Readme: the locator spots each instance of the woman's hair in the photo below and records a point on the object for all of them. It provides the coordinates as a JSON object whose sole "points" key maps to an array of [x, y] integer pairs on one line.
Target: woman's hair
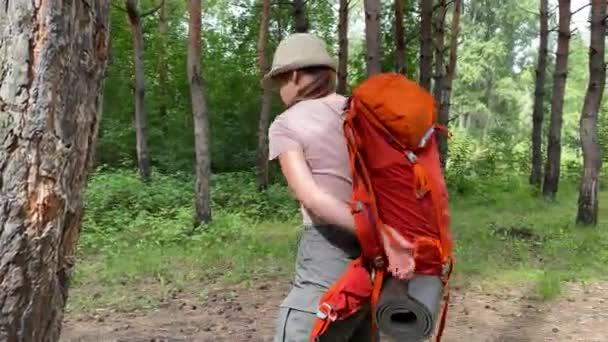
{"points": [[323, 83]]}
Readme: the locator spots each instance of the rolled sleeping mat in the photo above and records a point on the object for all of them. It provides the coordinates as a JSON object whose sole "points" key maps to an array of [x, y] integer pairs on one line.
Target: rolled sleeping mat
{"points": [[408, 310]]}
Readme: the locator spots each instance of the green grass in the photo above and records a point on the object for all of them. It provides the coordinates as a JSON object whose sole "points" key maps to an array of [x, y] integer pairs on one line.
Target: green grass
{"points": [[231, 250], [137, 246], [547, 247]]}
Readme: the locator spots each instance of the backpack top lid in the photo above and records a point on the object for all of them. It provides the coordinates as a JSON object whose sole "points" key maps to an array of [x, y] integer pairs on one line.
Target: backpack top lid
{"points": [[399, 106]]}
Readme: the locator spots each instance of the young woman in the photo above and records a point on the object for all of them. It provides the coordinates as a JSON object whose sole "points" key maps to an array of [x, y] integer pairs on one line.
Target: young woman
{"points": [[309, 142]]}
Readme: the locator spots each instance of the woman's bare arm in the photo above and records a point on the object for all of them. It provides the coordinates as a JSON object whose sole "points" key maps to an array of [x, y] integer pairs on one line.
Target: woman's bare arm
{"points": [[320, 203], [331, 210]]}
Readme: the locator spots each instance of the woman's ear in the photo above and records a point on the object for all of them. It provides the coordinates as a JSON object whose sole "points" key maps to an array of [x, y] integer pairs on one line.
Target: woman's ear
{"points": [[295, 76]]}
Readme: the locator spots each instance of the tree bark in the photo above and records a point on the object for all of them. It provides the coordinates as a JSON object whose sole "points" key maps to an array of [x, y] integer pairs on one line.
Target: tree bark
{"points": [[200, 115], [279, 26], [426, 43], [539, 97], [552, 168], [453, 59], [446, 103], [439, 84], [163, 29], [343, 47], [399, 37], [264, 120], [372, 36], [299, 14], [143, 159], [592, 161], [51, 85]]}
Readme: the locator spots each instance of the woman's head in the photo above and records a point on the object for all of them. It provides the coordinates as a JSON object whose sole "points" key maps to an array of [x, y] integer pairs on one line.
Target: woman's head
{"points": [[305, 84], [302, 69]]}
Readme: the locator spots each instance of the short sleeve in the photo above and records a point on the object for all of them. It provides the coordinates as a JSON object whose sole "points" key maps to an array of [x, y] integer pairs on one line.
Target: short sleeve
{"points": [[281, 138]]}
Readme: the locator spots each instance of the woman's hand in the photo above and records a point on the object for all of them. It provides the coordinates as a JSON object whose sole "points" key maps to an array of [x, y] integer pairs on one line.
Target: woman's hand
{"points": [[399, 252], [320, 203]]}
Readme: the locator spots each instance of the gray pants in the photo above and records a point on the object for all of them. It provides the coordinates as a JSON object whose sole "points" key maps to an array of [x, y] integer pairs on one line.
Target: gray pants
{"points": [[324, 252]]}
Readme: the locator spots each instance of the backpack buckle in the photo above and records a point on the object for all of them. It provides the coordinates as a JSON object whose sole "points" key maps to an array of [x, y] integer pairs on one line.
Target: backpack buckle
{"points": [[447, 268], [411, 156], [328, 313], [378, 262], [426, 137]]}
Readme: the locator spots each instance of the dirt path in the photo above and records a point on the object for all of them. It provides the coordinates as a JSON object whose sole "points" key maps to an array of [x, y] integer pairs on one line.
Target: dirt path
{"points": [[239, 314]]}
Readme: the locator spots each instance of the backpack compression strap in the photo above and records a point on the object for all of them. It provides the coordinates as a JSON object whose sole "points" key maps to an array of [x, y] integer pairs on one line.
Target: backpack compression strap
{"points": [[363, 279], [332, 306], [345, 297], [425, 183]]}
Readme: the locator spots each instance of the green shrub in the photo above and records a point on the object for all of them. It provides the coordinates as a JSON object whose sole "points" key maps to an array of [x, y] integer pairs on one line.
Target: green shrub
{"points": [[122, 211]]}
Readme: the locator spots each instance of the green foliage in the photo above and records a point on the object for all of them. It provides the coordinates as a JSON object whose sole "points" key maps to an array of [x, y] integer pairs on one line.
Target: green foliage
{"points": [[494, 86], [493, 89], [161, 212], [140, 236], [492, 65], [482, 169], [136, 234]]}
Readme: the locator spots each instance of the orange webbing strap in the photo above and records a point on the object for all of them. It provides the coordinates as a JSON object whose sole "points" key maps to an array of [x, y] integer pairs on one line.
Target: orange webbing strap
{"points": [[319, 328], [361, 174], [378, 282], [443, 228], [428, 183], [446, 302], [444, 315], [363, 191], [422, 180], [446, 245]]}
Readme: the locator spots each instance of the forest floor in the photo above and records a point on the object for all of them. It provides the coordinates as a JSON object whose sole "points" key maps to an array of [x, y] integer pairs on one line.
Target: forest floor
{"points": [[524, 270], [246, 314]]}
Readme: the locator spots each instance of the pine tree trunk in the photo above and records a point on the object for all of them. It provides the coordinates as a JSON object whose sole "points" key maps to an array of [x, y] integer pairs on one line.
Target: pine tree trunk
{"points": [[262, 153], [399, 37], [143, 159], [162, 68], [439, 84], [200, 115], [51, 85], [299, 14], [426, 43], [446, 103], [552, 168], [588, 199], [343, 47], [372, 36], [539, 97], [279, 26]]}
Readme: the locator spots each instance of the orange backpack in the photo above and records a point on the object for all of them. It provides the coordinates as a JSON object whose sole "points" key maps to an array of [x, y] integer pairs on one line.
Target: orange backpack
{"points": [[390, 128]]}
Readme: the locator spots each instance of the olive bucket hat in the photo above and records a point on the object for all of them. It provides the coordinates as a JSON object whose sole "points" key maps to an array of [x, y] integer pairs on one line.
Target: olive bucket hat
{"points": [[299, 50]]}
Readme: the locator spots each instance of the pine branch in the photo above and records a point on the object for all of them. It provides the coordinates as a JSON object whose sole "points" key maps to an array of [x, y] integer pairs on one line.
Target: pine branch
{"points": [[580, 9], [152, 11], [276, 3], [453, 118]]}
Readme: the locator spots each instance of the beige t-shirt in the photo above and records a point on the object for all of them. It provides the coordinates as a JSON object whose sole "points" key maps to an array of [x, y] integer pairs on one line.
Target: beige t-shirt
{"points": [[316, 127]]}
